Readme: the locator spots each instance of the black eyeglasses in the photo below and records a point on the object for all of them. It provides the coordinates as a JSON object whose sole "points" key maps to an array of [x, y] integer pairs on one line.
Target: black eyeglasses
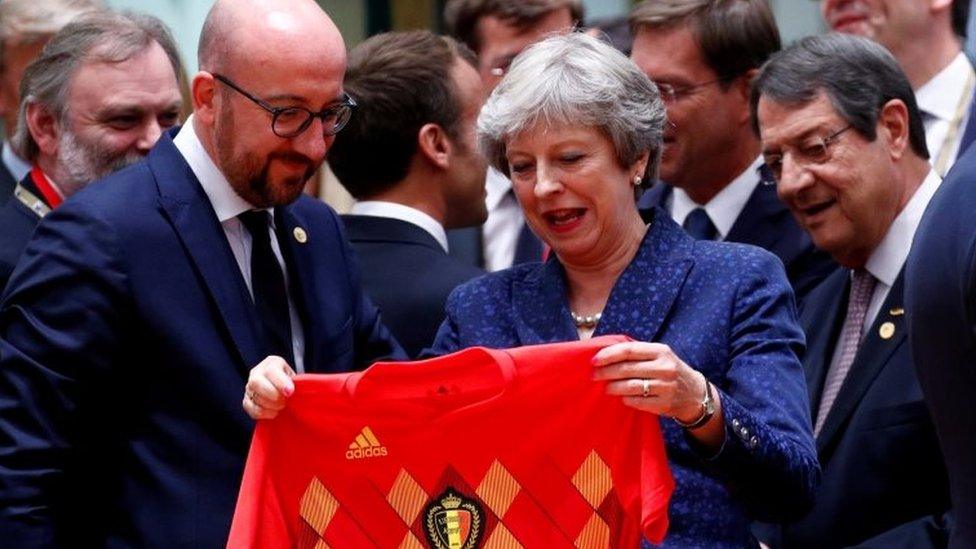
{"points": [[671, 93], [291, 121], [813, 153]]}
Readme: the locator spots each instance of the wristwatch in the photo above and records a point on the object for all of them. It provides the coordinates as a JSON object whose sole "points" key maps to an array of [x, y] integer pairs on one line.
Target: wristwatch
{"points": [[707, 410]]}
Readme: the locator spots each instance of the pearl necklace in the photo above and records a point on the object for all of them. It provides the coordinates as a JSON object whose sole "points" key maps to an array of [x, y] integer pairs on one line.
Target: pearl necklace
{"points": [[586, 321]]}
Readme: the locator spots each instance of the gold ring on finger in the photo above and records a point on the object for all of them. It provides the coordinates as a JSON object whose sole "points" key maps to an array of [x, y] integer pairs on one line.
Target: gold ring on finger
{"points": [[645, 388]]}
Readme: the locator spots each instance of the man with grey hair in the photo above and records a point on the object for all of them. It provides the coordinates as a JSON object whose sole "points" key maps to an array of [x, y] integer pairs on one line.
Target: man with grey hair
{"points": [[96, 99], [926, 37], [139, 305], [843, 136], [25, 26], [703, 55], [497, 31]]}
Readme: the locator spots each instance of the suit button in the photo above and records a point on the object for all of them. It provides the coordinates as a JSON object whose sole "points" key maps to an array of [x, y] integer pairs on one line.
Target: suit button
{"points": [[744, 433], [753, 442], [736, 424]]}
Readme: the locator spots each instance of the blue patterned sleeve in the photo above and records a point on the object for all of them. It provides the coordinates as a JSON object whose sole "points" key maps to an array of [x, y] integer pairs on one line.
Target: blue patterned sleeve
{"points": [[768, 458]]}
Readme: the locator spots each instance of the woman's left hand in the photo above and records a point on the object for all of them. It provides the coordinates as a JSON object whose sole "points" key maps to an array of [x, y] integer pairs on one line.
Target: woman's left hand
{"points": [[650, 377]]}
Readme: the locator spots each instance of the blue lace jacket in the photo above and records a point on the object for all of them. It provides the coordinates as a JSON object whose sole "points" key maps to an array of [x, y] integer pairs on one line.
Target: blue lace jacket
{"points": [[725, 309]]}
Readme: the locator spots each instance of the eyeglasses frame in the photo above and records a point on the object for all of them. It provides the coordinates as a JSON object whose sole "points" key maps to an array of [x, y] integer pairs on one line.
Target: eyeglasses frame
{"points": [[347, 102]]}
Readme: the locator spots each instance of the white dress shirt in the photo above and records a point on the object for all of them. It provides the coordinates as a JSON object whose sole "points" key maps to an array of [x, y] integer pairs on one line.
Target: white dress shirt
{"points": [[724, 208], [505, 221], [941, 99], [393, 210], [887, 260], [227, 204], [15, 164]]}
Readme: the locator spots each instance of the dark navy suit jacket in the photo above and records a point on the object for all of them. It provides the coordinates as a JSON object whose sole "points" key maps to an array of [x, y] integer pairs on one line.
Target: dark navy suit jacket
{"points": [[725, 309], [7, 183], [941, 305], [766, 222], [127, 337], [17, 224], [407, 274], [884, 483]]}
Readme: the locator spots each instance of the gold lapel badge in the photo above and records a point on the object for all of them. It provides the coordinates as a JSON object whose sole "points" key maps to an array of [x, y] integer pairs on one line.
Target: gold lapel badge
{"points": [[300, 235], [896, 311], [887, 330]]}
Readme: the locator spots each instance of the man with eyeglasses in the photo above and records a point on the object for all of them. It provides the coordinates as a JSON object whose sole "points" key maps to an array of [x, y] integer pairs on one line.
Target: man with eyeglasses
{"points": [[703, 55], [843, 136], [926, 37], [141, 303], [497, 31]]}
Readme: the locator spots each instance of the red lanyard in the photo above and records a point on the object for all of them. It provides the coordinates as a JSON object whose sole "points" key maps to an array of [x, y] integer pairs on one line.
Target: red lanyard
{"points": [[51, 196]]}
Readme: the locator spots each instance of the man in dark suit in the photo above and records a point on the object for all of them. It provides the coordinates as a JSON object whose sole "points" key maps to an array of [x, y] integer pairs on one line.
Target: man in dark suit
{"points": [[419, 96], [843, 136], [106, 118], [25, 26], [497, 31], [926, 38], [940, 304], [703, 57], [140, 304]]}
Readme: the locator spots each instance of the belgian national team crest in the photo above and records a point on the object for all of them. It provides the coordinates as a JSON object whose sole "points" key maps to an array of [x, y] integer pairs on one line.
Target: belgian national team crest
{"points": [[453, 521]]}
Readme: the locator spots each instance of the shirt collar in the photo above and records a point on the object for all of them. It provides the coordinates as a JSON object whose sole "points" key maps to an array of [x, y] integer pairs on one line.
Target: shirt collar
{"points": [[496, 188], [227, 204], [889, 257], [392, 210], [941, 95], [724, 208], [15, 164]]}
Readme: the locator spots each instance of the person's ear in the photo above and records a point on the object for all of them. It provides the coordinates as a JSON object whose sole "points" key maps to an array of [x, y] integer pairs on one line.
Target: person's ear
{"points": [[434, 145], [44, 128], [203, 93], [893, 127], [742, 87]]}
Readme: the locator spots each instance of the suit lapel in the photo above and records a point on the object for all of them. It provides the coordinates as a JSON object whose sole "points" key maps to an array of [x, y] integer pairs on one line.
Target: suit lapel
{"points": [[188, 209], [822, 320], [543, 289], [651, 283], [873, 354], [293, 238], [760, 218]]}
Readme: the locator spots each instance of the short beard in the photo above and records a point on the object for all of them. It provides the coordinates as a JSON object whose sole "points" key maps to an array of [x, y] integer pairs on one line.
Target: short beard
{"points": [[80, 162], [248, 174]]}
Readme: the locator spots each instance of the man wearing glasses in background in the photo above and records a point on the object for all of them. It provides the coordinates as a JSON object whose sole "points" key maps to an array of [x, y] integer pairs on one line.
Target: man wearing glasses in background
{"points": [[703, 54], [843, 137], [497, 31], [143, 301]]}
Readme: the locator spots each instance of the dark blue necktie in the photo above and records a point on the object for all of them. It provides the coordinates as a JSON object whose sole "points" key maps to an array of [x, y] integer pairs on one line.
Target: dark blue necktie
{"points": [[699, 226], [268, 286]]}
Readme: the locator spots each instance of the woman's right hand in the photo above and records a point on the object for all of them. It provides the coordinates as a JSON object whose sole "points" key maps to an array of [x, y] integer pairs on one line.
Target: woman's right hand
{"points": [[268, 388]]}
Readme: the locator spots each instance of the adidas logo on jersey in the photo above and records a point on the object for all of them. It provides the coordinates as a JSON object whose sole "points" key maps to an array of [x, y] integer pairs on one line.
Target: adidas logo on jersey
{"points": [[365, 445]]}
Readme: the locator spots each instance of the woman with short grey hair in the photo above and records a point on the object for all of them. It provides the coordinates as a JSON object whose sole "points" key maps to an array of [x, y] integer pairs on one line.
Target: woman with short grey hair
{"points": [[578, 127]]}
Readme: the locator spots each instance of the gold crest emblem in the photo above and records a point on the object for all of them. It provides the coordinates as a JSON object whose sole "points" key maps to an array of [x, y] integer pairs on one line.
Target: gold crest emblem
{"points": [[887, 330], [300, 235], [453, 521]]}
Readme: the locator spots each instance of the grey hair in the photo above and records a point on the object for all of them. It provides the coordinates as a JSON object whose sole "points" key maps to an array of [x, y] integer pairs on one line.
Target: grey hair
{"points": [[101, 36], [575, 79], [30, 20], [857, 75]]}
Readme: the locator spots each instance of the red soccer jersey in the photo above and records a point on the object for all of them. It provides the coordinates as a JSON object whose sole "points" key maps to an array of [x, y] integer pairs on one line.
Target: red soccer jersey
{"points": [[481, 448]]}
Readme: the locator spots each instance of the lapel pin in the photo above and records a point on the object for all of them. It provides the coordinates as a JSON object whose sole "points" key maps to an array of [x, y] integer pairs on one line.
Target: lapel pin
{"points": [[887, 330], [896, 311], [300, 235]]}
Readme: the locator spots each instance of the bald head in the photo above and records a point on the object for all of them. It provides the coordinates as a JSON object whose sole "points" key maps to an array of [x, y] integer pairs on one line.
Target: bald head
{"points": [[253, 32]]}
